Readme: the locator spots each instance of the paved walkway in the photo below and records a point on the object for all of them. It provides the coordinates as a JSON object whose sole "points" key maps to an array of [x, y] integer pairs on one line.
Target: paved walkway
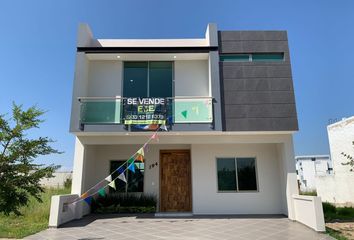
{"points": [[140, 227]]}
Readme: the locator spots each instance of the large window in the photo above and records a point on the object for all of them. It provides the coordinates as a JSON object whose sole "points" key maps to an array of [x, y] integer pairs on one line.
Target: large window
{"points": [[135, 181], [148, 79], [236, 174]]}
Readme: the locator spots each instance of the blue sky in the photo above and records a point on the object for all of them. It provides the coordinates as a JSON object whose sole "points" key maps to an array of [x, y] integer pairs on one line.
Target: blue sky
{"points": [[37, 46]]}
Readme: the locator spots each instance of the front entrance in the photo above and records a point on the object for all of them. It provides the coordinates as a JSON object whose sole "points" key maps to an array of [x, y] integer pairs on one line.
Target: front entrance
{"points": [[175, 181]]}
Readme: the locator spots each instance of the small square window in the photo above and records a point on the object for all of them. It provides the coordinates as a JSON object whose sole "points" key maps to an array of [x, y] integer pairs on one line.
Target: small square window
{"points": [[237, 174]]}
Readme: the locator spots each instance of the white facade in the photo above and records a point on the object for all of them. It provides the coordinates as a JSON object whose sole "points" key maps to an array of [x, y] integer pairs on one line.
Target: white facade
{"points": [[275, 173], [100, 75], [308, 167], [338, 188]]}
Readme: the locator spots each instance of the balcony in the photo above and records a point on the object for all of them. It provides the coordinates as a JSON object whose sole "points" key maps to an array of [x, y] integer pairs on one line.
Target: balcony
{"points": [[145, 111]]}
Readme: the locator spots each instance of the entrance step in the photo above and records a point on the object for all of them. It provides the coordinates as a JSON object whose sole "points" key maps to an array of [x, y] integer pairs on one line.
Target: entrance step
{"points": [[174, 214]]}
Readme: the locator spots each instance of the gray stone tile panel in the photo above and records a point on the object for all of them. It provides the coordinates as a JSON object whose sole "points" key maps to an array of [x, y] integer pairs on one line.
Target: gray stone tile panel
{"points": [[252, 35], [258, 97], [258, 84], [261, 124], [261, 111], [253, 46], [255, 71]]}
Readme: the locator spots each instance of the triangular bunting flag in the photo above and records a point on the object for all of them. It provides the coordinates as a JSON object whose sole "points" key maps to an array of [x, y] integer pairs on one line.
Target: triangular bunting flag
{"points": [[122, 177], [140, 158], [184, 114], [131, 160], [131, 167], [141, 151], [88, 200], [112, 185], [102, 192], [120, 169], [163, 127], [84, 195], [109, 178]]}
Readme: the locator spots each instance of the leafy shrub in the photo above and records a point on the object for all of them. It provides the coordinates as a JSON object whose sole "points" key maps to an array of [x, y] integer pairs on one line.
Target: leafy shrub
{"points": [[124, 203], [68, 182], [337, 213], [346, 212], [328, 208]]}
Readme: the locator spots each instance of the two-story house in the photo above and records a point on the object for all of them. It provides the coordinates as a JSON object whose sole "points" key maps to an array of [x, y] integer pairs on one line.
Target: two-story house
{"points": [[227, 100]]}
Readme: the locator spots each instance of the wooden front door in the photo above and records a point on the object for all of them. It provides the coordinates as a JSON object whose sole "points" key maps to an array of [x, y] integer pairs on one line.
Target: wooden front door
{"points": [[175, 181]]}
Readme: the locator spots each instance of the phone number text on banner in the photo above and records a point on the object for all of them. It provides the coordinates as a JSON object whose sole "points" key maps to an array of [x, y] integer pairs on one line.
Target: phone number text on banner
{"points": [[144, 111]]}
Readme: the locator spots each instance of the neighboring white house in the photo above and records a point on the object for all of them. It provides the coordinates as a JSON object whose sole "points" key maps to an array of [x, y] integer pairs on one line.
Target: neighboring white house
{"points": [[338, 188], [310, 166], [57, 180]]}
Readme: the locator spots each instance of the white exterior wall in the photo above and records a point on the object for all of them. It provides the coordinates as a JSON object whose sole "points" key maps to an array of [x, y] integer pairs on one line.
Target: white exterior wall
{"points": [[275, 168], [79, 89], [207, 199], [191, 78], [57, 180], [309, 211], [269, 199], [97, 163], [308, 167], [341, 138], [309, 172], [105, 79], [338, 188]]}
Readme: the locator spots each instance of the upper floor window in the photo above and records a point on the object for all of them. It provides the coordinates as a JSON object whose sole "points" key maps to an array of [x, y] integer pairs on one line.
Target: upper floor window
{"points": [[252, 57], [148, 79]]}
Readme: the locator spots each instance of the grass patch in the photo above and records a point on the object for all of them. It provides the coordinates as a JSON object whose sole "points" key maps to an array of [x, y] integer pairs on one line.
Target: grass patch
{"points": [[34, 219], [335, 234], [309, 193]]}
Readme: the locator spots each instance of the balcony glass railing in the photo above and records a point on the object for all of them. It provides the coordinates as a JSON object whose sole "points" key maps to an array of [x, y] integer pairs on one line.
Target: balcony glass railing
{"points": [[192, 109], [128, 111], [100, 110]]}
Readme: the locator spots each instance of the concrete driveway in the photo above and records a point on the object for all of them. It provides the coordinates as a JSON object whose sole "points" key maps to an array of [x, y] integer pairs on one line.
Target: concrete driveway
{"points": [[96, 227]]}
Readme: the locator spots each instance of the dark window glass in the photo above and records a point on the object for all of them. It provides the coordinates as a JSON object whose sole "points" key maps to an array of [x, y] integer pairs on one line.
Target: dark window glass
{"points": [[226, 174], [135, 181], [267, 57], [160, 79], [246, 174], [135, 79], [235, 58]]}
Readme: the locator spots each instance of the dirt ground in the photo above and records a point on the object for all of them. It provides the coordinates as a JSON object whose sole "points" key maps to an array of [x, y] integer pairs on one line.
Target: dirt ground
{"points": [[346, 228]]}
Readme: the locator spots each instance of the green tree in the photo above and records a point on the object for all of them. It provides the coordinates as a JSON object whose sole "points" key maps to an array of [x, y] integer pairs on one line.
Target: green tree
{"points": [[350, 160], [19, 176]]}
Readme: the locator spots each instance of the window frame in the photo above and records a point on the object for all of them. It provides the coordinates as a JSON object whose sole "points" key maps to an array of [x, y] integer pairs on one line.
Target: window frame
{"points": [[126, 176], [237, 188], [250, 57], [148, 77]]}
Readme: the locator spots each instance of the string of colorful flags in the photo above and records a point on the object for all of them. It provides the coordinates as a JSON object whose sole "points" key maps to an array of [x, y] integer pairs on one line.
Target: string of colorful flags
{"points": [[109, 181]]}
